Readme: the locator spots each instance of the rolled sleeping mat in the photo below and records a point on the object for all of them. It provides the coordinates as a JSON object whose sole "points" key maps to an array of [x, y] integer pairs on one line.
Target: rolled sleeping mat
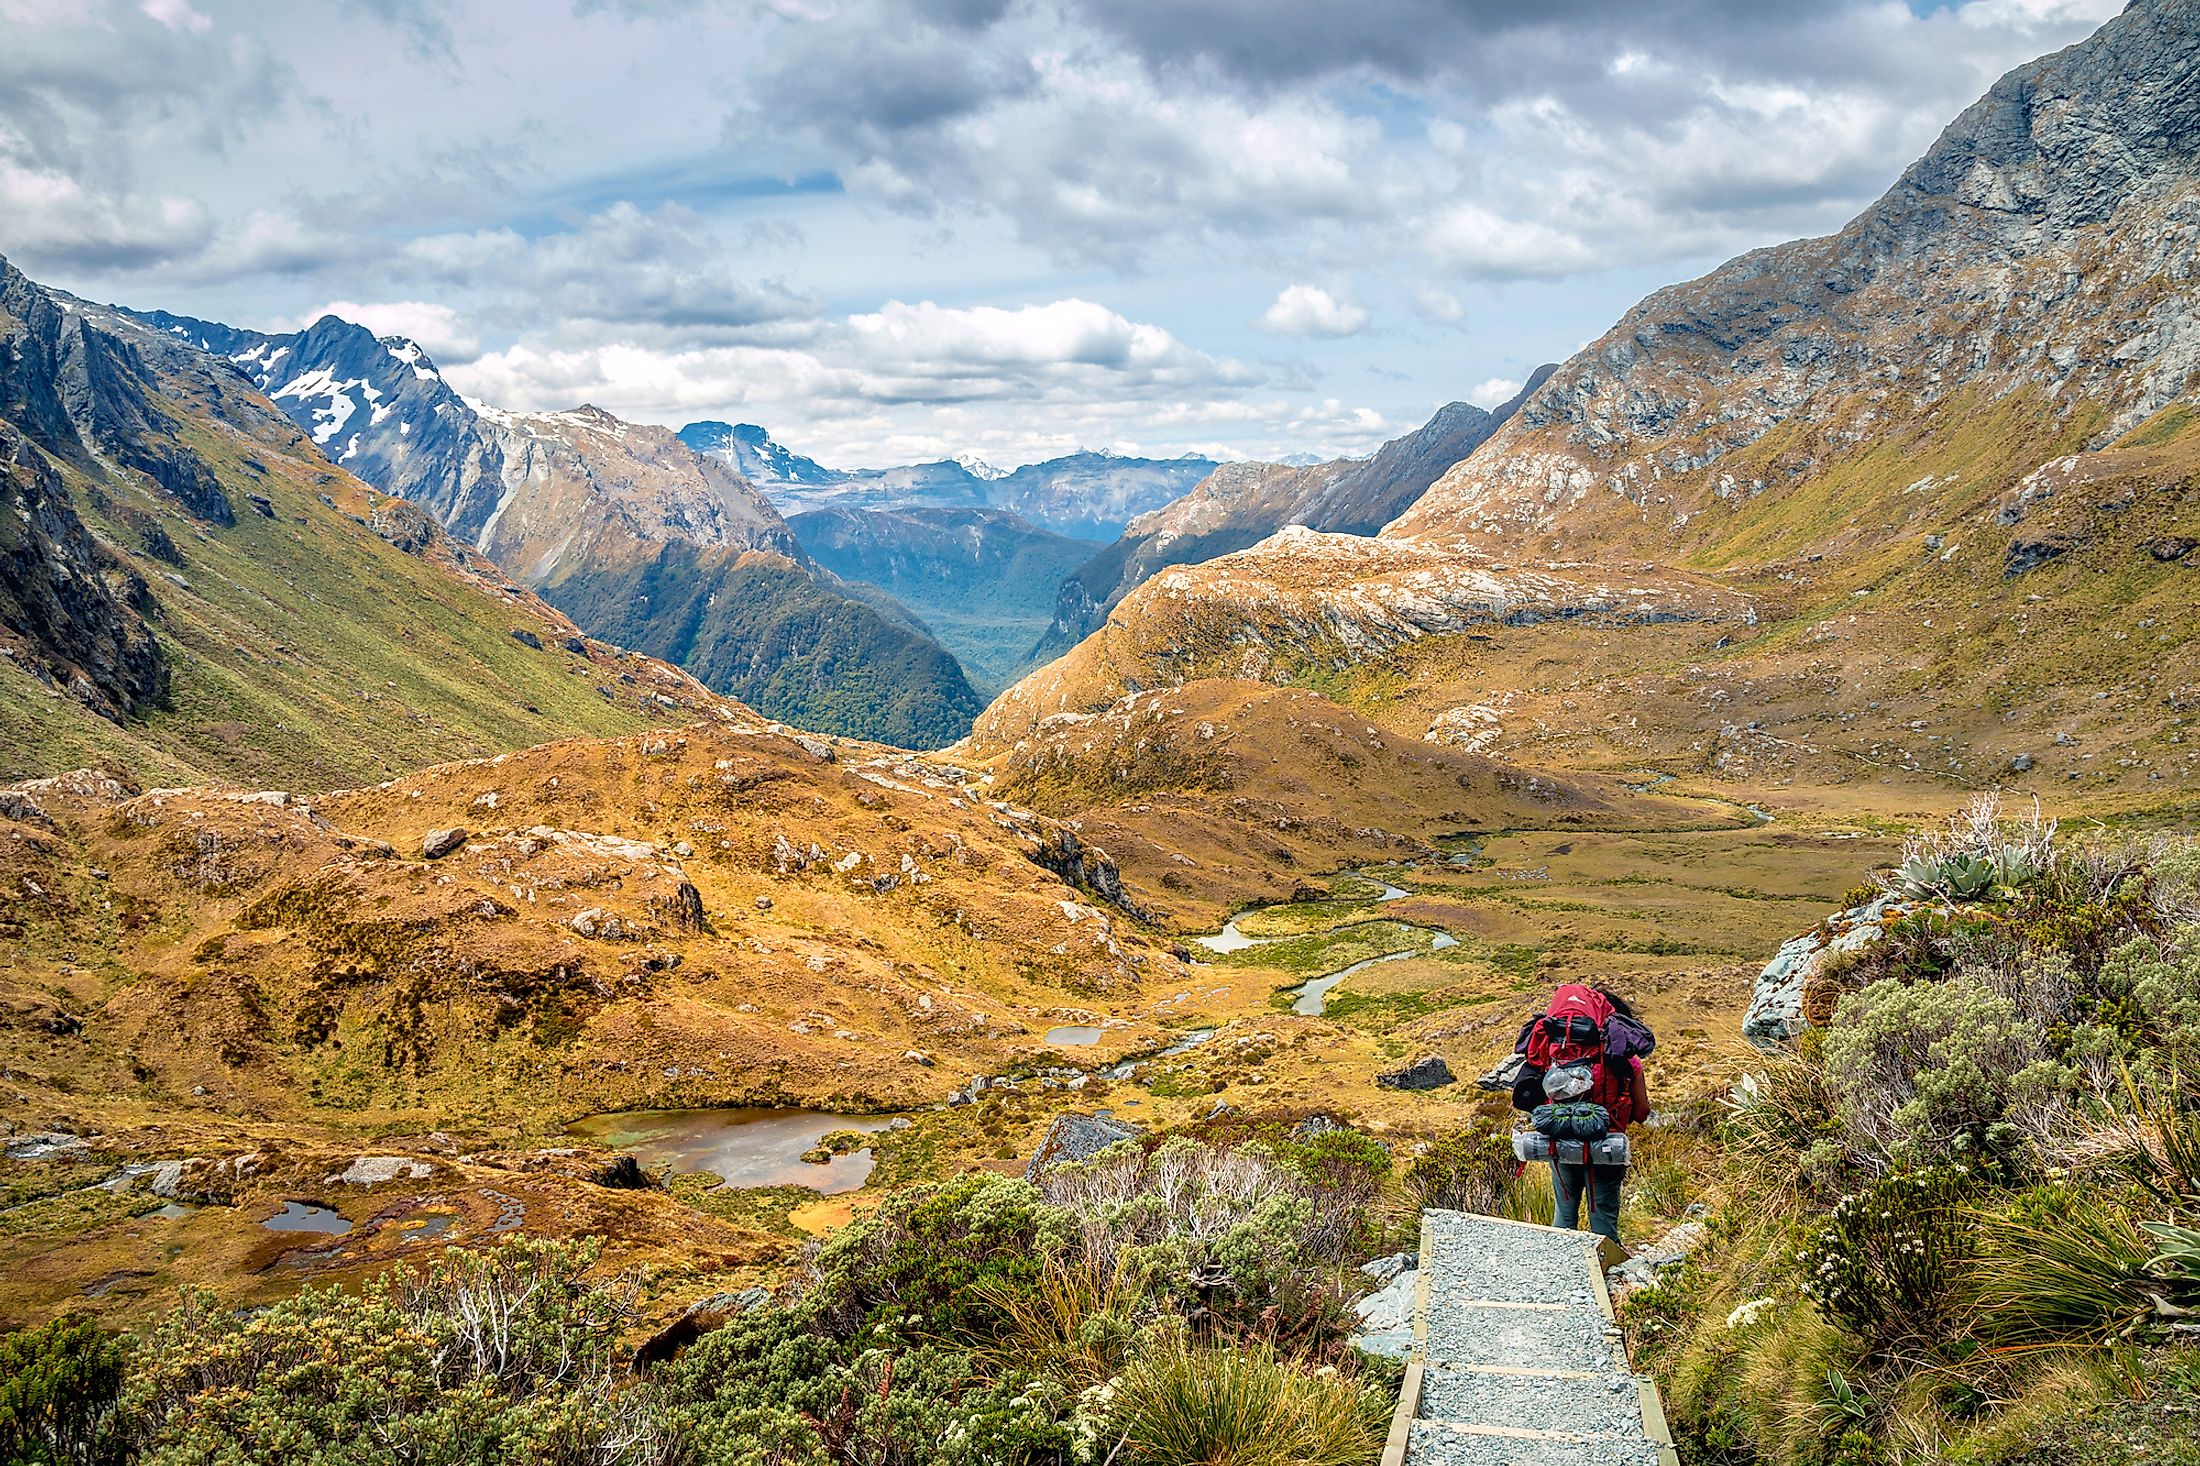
{"points": [[1528, 1145]]}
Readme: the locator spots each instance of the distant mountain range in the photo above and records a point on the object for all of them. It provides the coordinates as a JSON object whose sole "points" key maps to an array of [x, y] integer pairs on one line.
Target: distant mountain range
{"points": [[645, 541], [1241, 504], [868, 602], [983, 580], [1088, 495]]}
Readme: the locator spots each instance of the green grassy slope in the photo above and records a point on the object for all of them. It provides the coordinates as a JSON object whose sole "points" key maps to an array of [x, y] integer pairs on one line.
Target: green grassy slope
{"points": [[757, 627], [310, 652]]}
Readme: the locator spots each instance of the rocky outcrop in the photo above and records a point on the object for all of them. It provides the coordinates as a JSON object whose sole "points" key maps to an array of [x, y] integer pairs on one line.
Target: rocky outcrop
{"points": [[1058, 849], [1072, 1138], [1386, 1315], [438, 843], [1428, 1072], [1786, 992], [76, 614]]}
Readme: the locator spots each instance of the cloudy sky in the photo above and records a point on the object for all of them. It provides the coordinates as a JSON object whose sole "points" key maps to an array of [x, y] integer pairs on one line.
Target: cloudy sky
{"points": [[893, 229]]}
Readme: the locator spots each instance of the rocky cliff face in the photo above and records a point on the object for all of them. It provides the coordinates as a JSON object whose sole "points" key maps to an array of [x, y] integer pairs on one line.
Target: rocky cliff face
{"points": [[2045, 247], [81, 394], [582, 489], [1241, 504], [71, 613], [377, 405], [580, 504]]}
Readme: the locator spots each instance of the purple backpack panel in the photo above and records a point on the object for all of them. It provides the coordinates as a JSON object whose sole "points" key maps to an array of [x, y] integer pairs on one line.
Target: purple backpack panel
{"points": [[1628, 1038]]}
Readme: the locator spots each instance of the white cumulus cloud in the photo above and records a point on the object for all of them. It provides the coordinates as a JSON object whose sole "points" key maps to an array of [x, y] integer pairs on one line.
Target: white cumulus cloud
{"points": [[1309, 310], [1494, 391], [1011, 383], [177, 15]]}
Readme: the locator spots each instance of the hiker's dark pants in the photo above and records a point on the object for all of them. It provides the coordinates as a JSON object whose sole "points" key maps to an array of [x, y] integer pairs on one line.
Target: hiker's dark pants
{"points": [[1603, 1200]]}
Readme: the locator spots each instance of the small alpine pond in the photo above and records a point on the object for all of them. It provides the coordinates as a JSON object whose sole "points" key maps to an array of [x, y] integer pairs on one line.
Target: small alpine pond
{"points": [[746, 1147]]}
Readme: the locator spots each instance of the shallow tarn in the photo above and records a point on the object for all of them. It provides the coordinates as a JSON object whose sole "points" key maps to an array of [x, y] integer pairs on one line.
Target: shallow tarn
{"points": [[299, 1216], [744, 1147]]}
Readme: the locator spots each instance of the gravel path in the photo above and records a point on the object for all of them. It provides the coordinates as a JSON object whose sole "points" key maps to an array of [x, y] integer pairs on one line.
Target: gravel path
{"points": [[1522, 1366]]}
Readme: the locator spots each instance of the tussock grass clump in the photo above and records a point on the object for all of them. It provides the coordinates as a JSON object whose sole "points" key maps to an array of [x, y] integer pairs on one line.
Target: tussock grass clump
{"points": [[1072, 1322], [1187, 1406], [2062, 1263]]}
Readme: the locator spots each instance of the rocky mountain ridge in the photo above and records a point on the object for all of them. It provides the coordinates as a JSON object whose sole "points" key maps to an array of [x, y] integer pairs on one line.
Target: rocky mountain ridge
{"points": [[1240, 504], [2043, 246], [572, 502], [1952, 446]]}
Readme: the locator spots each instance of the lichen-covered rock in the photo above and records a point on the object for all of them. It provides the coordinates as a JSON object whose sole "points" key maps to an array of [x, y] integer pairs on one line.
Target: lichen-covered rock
{"points": [[1776, 1009], [438, 843], [1073, 1138], [374, 1170]]}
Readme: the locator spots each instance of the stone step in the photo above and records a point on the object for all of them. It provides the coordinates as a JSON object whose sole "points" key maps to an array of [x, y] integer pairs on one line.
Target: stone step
{"points": [[1517, 1359], [1434, 1443], [1602, 1404], [1461, 1333]]}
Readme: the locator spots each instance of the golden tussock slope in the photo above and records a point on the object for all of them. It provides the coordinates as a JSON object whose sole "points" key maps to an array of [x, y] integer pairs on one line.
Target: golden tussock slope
{"points": [[1222, 792], [712, 916]]}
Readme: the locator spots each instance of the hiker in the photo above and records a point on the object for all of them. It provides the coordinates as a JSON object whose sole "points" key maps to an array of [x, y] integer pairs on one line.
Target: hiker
{"points": [[1580, 1079]]}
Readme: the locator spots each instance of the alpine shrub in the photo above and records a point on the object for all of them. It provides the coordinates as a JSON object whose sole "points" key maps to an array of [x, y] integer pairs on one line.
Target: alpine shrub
{"points": [[1888, 1265], [916, 1264], [57, 1395], [1928, 1073], [2152, 998], [1469, 1171], [500, 1357]]}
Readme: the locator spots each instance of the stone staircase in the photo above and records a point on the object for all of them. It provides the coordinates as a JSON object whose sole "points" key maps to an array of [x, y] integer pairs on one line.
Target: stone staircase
{"points": [[1516, 1358]]}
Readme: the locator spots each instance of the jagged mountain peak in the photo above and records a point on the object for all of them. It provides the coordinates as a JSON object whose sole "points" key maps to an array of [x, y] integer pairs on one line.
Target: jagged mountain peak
{"points": [[977, 467], [2068, 138], [2041, 245]]}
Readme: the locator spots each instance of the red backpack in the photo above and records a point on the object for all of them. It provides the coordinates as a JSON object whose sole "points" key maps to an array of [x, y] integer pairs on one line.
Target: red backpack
{"points": [[1581, 1027]]}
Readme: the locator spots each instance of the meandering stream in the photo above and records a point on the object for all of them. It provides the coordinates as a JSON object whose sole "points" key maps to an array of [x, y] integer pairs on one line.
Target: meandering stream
{"points": [[1310, 999]]}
